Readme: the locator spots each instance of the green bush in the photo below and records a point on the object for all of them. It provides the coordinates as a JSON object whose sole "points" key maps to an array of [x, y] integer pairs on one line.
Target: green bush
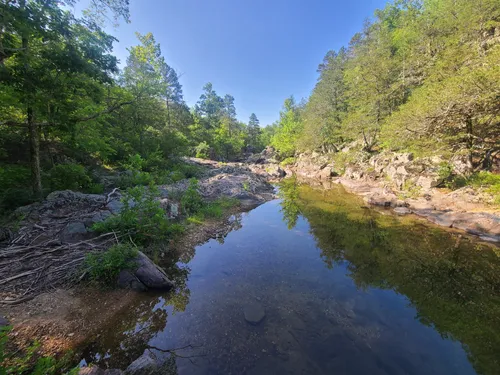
{"points": [[104, 267], [287, 161], [141, 217], [177, 175], [95, 188], [69, 177], [191, 201], [202, 150], [135, 178], [154, 162], [15, 187]]}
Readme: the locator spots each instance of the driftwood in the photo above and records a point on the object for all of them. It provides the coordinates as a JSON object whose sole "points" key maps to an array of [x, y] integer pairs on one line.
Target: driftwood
{"points": [[30, 269]]}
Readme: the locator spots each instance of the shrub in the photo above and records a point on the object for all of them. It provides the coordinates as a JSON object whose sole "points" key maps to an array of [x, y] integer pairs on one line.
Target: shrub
{"points": [[154, 162], [177, 175], [134, 163], [15, 190], [202, 150], [69, 177], [135, 178], [287, 161], [95, 188], [141, 216], [191, 201], [104, 267]]}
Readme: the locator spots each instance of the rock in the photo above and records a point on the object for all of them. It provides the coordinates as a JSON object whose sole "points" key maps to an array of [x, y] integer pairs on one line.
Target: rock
{"points": [[402, 210], [171, 207], [113, 372], [461, 165], [94, 370], [254, 312], [4, 322], [404, 157], [115, 206], [144, 365], [428, 182], [100, 216], [127, 280], [150, 274], [74, 232]]}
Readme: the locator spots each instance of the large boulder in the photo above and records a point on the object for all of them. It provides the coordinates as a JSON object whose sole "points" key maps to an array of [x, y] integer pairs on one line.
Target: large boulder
{"points": [[149, 274]]}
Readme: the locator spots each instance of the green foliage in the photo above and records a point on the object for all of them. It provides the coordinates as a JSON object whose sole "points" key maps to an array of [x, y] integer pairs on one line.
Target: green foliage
{"points": [[202, 150], [213, 210], [192, 201], [141, 217], [489, 181], [69, 177], [410, 190], [288, 161], [13, 182], [422, 77], [104, 267], [288, 130]]}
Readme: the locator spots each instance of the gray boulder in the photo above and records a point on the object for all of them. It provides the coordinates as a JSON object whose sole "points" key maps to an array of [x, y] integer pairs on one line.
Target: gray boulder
{"points": [[75, 232], [149, 274]]}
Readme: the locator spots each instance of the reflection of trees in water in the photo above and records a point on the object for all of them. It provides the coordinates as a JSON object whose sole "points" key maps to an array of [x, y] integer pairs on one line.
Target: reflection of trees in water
{"points": [[453, 282], [288, 192], [128, 336], [130, 333]]}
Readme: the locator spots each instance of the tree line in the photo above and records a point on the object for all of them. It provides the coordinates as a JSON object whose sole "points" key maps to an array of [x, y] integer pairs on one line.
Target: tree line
{"points": [[63, 96], [423, 76]]}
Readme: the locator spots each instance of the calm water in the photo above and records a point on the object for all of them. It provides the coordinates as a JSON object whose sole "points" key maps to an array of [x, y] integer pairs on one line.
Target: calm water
{"points": [[345, 290]]}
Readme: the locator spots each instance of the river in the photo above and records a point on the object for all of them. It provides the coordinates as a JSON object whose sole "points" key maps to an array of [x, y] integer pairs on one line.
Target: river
{"points": [[317, 283]]}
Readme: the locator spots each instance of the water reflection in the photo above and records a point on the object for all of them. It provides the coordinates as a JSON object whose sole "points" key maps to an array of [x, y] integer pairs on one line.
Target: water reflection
{"points": [[345, 289], [453, 282]]}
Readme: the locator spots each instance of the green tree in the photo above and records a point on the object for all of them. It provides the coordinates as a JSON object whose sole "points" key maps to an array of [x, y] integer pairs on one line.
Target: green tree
{"points": [[53, 67], [327, 107], [254, 132], [288, 129]]}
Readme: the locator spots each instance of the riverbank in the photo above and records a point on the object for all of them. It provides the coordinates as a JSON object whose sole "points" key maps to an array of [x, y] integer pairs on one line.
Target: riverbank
{"points": [[45, 294], [400, 182]]}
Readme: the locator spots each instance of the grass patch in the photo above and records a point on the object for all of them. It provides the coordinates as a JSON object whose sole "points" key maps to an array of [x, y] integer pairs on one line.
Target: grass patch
{"points": [[213, 210], [104, 267], [30, 361]]}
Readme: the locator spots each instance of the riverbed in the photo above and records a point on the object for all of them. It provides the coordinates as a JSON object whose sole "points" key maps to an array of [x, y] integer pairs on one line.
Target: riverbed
{"points": [[317, 283]]}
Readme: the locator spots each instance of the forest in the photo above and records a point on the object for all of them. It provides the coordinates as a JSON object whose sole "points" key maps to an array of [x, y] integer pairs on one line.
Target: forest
{"points": [[422, 76], [66, 109]]}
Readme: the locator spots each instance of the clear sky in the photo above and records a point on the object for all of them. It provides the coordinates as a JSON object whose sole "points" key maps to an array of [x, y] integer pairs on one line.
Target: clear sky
{"points": [[259, 51]]}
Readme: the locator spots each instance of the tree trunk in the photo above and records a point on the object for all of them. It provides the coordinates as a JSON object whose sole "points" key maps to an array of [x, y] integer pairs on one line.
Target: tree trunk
{"points": [[34, 142], [470, 143], [168, 115], [34, 139]]}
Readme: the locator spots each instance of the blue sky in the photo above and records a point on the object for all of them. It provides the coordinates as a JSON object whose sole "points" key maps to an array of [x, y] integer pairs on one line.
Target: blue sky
{"points": [[259, 51]]}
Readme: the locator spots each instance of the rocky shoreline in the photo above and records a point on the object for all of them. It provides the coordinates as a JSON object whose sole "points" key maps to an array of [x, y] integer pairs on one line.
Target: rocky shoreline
{"points": [[384, 180]]}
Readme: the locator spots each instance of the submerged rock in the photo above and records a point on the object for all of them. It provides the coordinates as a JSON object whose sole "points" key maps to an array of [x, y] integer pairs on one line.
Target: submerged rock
{"points": [[254, 313], [144, 365]]}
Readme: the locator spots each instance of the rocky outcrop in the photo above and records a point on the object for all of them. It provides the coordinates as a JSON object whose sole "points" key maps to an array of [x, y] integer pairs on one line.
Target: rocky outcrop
{"points": [[408, 185], [230, 180]]}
